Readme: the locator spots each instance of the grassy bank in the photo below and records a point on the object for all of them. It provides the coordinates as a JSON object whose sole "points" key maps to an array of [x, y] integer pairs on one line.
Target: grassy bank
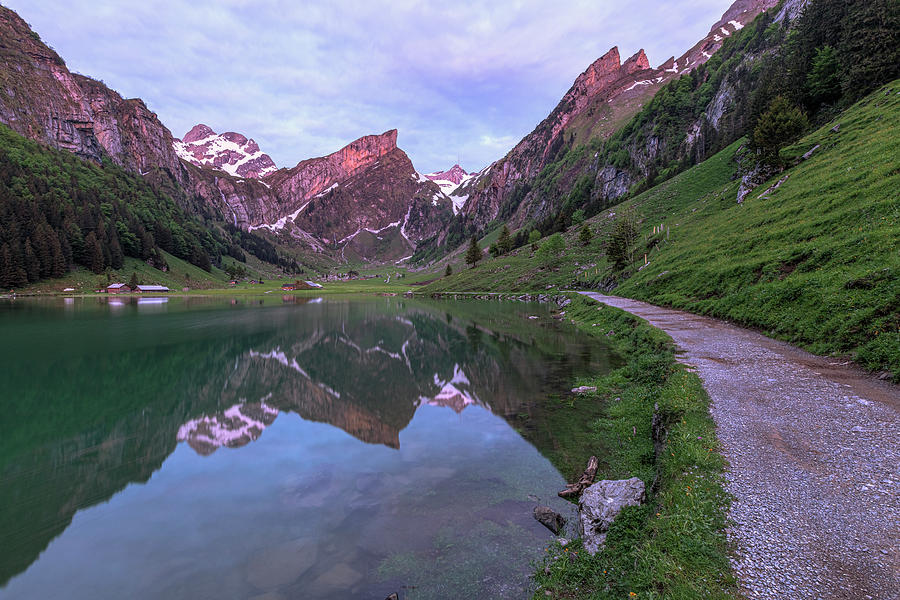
{"points": [[674, 545]]}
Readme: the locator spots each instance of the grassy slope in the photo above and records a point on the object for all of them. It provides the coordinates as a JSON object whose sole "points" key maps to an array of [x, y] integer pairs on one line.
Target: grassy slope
{"points": [[673, 546], [817, 264]]}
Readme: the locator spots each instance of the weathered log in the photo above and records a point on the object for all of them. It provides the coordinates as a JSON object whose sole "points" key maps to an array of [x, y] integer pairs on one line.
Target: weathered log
{"points": [[587, 478]]}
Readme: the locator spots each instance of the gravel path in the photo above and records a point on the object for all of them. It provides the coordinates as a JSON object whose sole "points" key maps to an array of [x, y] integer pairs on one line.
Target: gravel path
{"points": [[814, 450]]}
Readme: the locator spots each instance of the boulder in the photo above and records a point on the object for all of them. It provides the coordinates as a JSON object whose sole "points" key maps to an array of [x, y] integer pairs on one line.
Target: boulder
{"points": [[280, 565], [549, 518], [601, 503]]}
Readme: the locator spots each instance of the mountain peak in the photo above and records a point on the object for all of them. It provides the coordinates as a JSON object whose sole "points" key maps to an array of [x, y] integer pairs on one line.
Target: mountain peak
{"points": [[600, 70], [638, 62], [197, 133], [455, 174], [231, 152], [375, 144]]}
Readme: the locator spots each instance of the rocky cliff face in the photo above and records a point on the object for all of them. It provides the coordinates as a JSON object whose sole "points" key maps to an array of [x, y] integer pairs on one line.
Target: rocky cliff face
{"points": [[601, 100], [41, 99], [240, 202], [315, 175], [366, 197], [230, 152]]}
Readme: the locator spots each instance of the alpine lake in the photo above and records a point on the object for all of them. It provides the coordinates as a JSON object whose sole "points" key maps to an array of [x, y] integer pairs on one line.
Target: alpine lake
{"points": [[278, 447]]}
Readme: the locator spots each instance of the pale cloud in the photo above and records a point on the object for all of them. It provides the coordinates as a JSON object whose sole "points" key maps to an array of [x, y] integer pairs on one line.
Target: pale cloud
{"points": [[304, 78], [498, 143]]}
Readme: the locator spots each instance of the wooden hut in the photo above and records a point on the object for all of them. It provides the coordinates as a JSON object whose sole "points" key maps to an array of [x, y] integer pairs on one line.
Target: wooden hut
{"points": [[118, 288]]}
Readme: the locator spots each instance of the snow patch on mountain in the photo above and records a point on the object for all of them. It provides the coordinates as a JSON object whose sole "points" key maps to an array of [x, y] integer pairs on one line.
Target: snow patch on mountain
{"points": [[230, 152], [280, 223]]}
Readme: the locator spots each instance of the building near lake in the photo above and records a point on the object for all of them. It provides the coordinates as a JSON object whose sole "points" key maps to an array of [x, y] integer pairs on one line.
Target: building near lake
{"points": [[143, 289], [118, 288]]}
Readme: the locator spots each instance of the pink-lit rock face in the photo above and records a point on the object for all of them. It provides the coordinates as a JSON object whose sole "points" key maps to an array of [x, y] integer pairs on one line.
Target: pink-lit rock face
{"points": [[315, 175], [230, 152], [360, 197], [455, 174], [46, 102]]}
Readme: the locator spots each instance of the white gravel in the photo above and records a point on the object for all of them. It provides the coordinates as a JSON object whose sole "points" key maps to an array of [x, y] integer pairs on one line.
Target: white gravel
{"points": [[814, 451]]}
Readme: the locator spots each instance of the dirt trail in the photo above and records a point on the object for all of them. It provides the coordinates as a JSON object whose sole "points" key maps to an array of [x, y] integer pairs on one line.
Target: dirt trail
{"points": [[814, 450]]}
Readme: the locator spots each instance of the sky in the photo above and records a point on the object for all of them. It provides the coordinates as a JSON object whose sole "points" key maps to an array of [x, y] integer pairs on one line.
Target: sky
{"points": [[457, 79]]}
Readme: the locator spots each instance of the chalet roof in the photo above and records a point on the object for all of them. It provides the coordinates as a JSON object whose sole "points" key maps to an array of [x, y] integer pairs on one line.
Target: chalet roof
{"points": [[117, 285], [153, 288]]}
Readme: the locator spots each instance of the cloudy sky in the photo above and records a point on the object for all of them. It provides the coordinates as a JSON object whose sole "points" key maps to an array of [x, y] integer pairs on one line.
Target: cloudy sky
{"points": [[303, 79]]}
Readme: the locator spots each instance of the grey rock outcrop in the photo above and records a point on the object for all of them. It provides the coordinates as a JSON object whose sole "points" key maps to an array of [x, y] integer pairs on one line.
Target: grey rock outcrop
{"points": [[601, 503]]}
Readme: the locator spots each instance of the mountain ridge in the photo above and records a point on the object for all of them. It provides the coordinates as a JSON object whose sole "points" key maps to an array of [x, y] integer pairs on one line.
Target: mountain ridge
{"points": [[601, 99]]}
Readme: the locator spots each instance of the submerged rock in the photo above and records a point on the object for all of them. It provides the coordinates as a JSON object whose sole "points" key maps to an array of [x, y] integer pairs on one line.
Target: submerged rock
{"points": [[549, 518], [280, 565], [601, 503]]}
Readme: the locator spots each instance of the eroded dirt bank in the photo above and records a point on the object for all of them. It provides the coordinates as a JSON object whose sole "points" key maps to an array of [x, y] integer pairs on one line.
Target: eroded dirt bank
{"points": [[814, 450]]}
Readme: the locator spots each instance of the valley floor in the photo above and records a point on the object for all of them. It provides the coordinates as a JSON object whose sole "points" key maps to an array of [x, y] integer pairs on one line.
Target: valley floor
{"points": [[813, 446]]}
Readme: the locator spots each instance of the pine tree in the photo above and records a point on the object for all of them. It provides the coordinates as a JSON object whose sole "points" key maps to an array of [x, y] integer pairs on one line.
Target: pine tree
{"points": [[473, 254], [42, 249], [533, 238], [823, 82], [116, 257], [494, 250], [781, 124], [7, 271], [448, 271], [95, 259], [505, 241], [58, 266], [585, 236], [133, 282], [620, 248], [32, 264]]}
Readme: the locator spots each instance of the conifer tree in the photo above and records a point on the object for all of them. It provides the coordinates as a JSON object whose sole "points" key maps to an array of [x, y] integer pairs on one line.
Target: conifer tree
{"points": [[473, 254], [32, 264], [58, 265], [781, 124], [533, 238], [448, 271], [585, 236], [7, 271], [95, 259], [505, 241]]}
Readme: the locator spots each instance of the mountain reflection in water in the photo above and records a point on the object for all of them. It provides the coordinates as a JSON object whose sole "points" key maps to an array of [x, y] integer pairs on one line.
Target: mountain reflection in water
{"points": [[100, 394]]}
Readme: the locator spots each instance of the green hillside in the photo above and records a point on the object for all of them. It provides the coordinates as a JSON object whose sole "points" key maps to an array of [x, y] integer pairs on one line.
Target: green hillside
{"points": [[60, 214], [816, 262]]}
